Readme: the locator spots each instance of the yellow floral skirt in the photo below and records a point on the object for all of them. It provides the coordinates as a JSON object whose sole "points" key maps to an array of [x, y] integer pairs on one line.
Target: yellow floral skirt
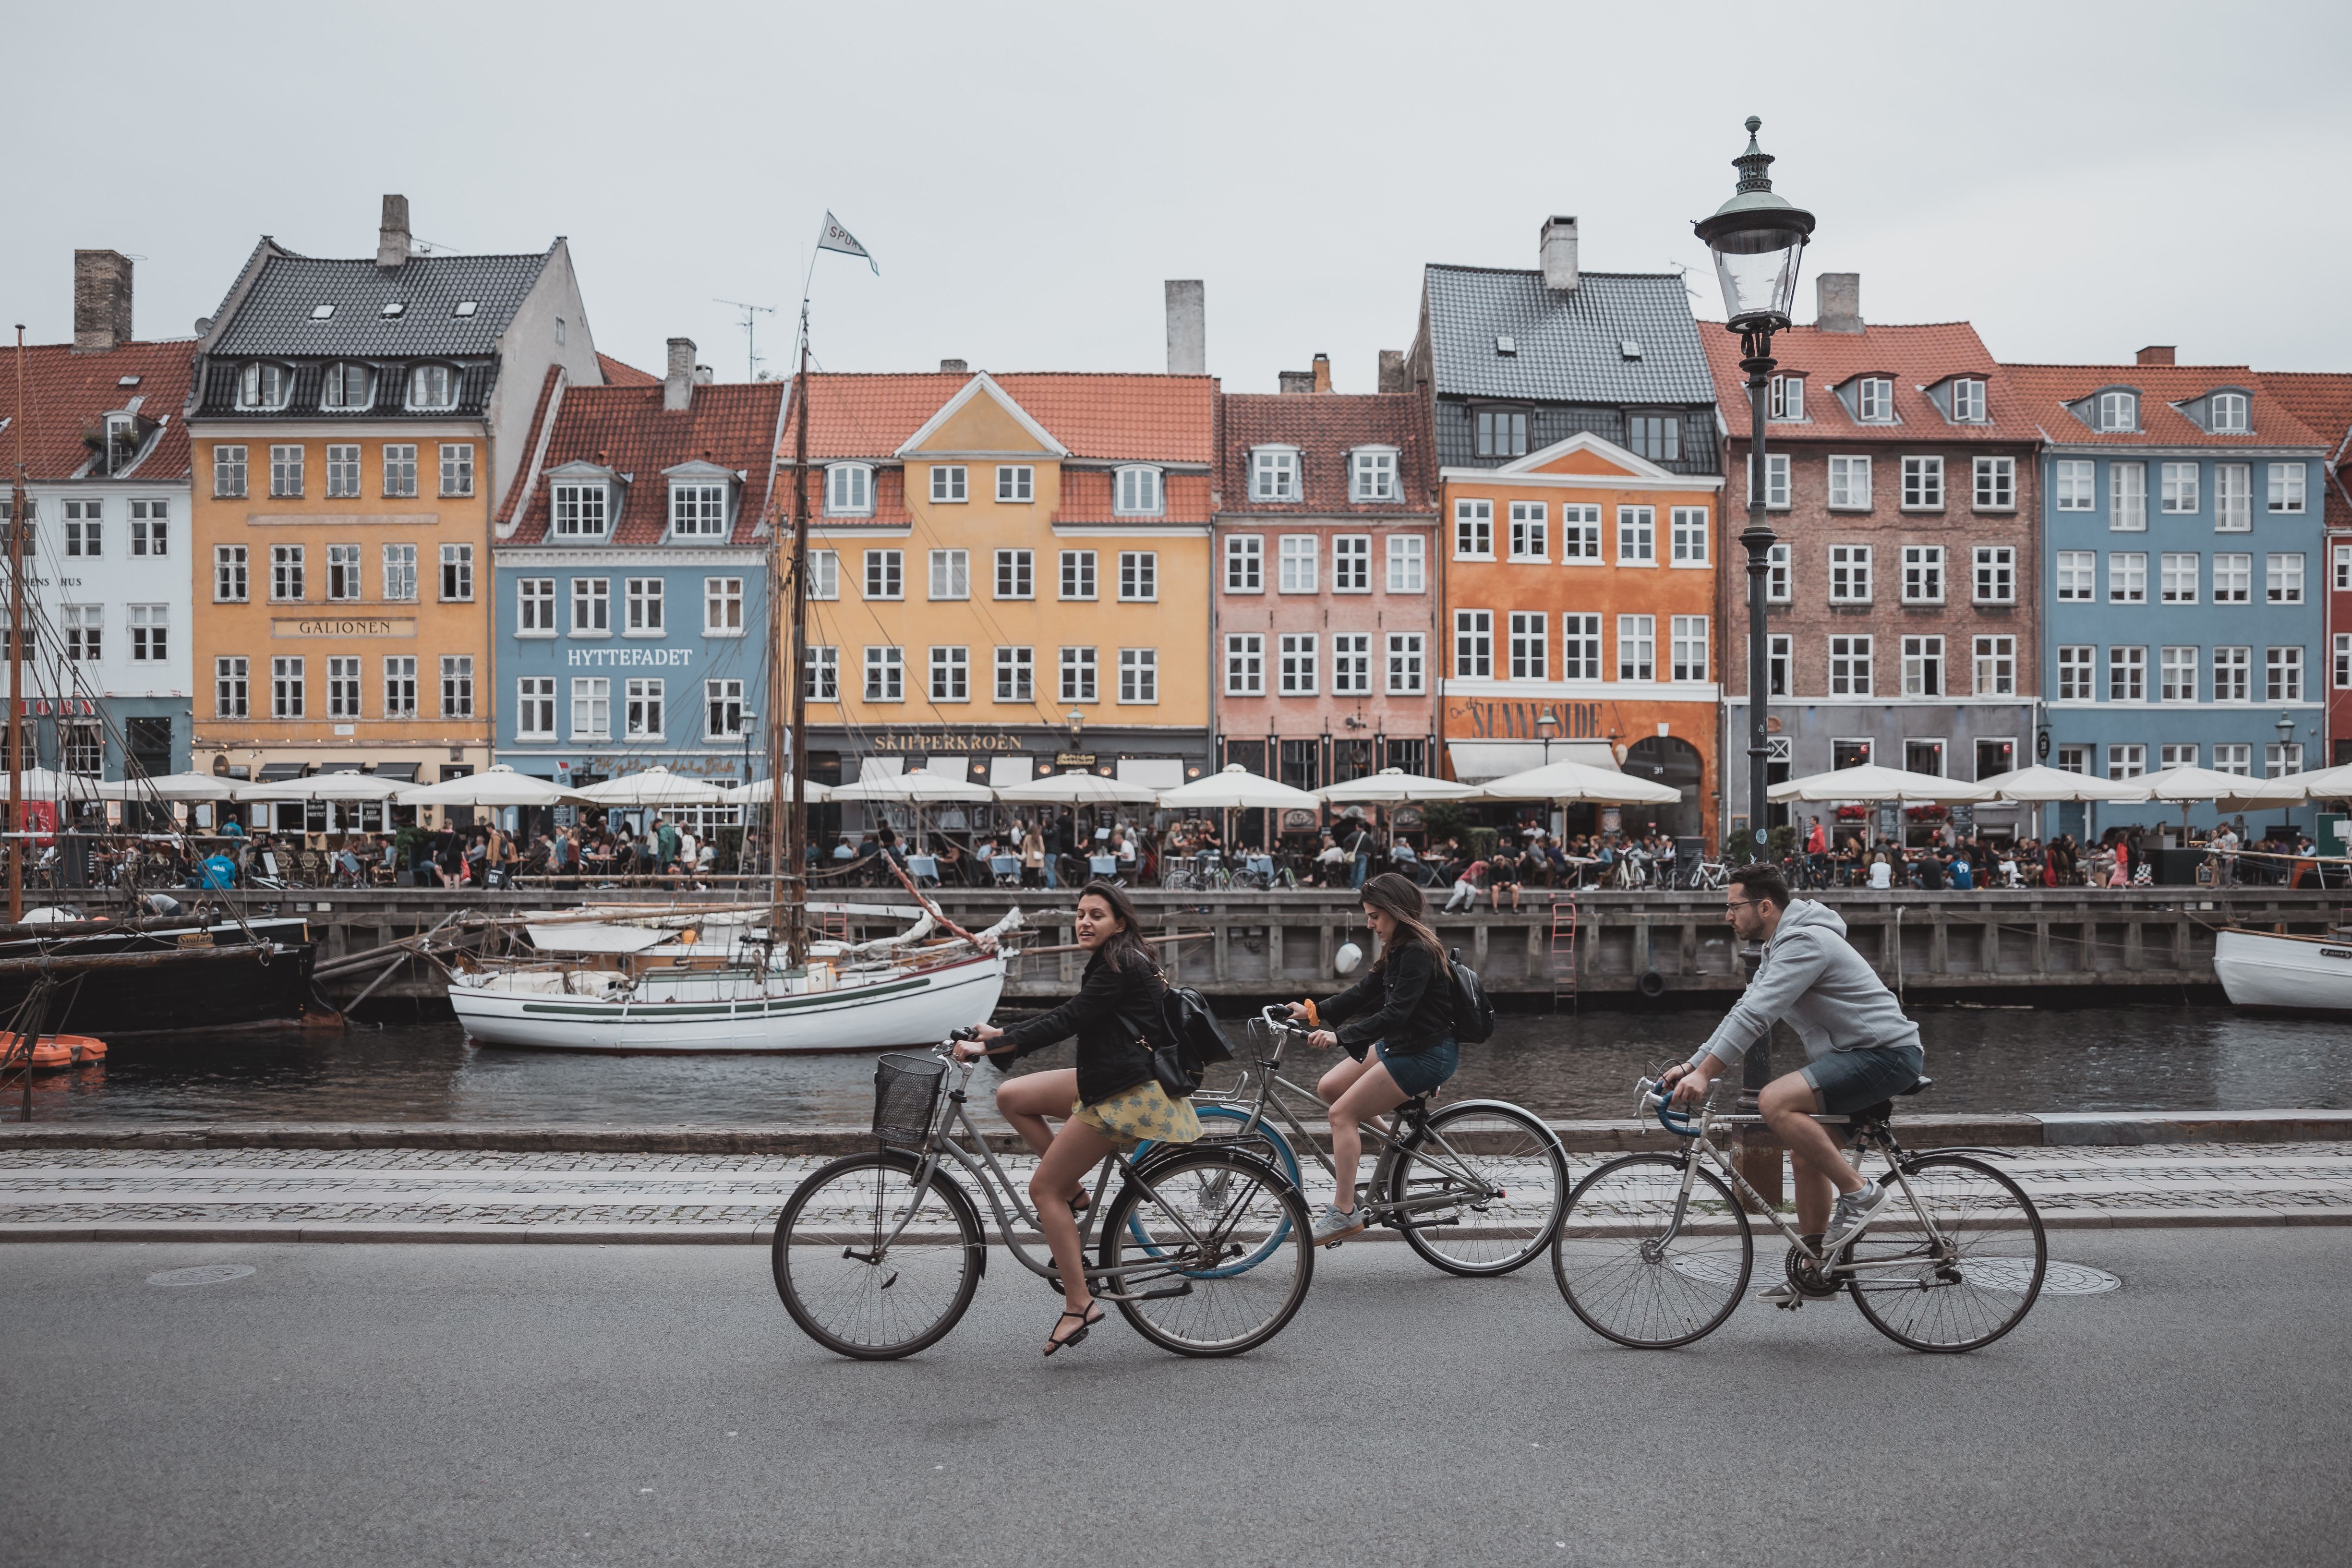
{"points": [[1144, 1114]]}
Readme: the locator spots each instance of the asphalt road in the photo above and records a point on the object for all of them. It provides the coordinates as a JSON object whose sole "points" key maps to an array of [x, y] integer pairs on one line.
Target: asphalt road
{"points": [[360, 1404]]}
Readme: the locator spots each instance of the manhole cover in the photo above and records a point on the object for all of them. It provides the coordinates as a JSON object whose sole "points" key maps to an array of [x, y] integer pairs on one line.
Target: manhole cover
{"points": [[202, 1274]]}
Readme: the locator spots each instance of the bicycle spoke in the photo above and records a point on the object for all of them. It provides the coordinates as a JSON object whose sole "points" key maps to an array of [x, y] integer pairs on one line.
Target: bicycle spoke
{"points": [[1244, 1268], [1498, 1181], [850, 1292], [1959, 1277], [1622, 1274]]}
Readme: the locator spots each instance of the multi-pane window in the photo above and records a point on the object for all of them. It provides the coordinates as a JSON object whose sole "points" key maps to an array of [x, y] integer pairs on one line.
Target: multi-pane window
{"points": [[457, 686], [2233, 497], [642, 704], [1996, 574], [1995, 666], [1923, 667], [950, 482], [1923, 483], [2176, 674], [1850, 667], [400, 470], [1473, 645], [951, 674], [2126, 762], [456, 467], [535, 708], [2179, 755], [1017, 674], [342, 471], [2286, 487], [1245, 664], [1016, 575], [821, 677], [1687, 538], [2127, 497], [722, 606], [1788, 397], [1351, 564], [2126, 675], [2077, 575], [1529, 641], [951, 573], [1077, 675], [579, 510], [1637, 648], [434, 387], [1687, 649], [2279, 759], [2343, 661], [1138, 675], [592, 709], [150, 633], [286, 693], [1473, 530], [1637, 536], [2177, 487], [1294, 663], [722, 706], [1777, 656], [2177, 577], [228, 472], [1850, 483], [2283, 579], [1502, 433], [885, 575], [2077, 682], [1779, 581], [2236, 758], [2118, 411], [2078, 485], [885, 674], [1351, 664], [1016, 483], [1372, 475], [1968, 401], [2343, 559], [2127, 577], [697, 511], [1849, 574], [286, 471], [1407, 660], [1874, 400], [849, 490], [1528, 529], [825, 574], [2283, 675], [1579, 533], [1579, 646], [2226, 414], [1274, 474], [592, 606], [1657, 437], [85, 629], [85, 527], [1136, 493], [456, 573], [1245, 564], [286, 573], [1776, 481], [1408, 559], [230, 585], [1297, 562], [1996, 484], [343, 689], [1138, 576], [643, 600], [1077, 574], [2234, 674], [1923, 574], [342, 572], [2233, 579]]}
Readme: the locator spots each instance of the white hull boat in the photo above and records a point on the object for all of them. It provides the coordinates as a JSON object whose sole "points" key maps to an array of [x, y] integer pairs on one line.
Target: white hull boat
{"points": [[2303, 973]]}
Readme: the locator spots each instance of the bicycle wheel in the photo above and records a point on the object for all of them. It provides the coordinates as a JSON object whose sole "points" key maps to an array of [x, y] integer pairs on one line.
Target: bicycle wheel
{"points": [[1622, 1275], [1504, 1180], [850, 1293], [1203, 1211], [1222, 1127], [1962, 1278]]}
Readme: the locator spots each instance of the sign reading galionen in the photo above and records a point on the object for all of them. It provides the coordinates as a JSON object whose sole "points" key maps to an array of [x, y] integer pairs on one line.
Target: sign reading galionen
{"points": [[343, 627]]}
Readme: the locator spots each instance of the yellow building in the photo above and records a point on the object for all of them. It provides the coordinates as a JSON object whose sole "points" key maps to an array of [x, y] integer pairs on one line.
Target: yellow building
{"points": [[355, 423], [1012, 574]]}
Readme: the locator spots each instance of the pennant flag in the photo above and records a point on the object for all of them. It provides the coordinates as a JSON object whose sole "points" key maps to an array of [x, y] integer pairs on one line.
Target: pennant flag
{"points": [[836, 238]]}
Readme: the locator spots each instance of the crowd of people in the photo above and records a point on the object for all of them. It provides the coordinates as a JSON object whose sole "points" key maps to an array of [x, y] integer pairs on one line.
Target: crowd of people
{"points": [[2119, 857]]}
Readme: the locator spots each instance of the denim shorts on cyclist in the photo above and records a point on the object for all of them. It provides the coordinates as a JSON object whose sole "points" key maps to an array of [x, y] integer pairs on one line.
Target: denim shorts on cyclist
{"points": [[1846, 1082], [1421, 1072]]}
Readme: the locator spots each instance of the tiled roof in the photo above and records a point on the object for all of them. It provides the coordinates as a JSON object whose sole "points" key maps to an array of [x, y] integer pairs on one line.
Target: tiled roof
{"points": [[66, 392], [1569, 345], [1137, 418], [1086, 498], [1912, 357], [619, 374], [2048, 388], [625, 428], [2323, 402], [890, 498], [1326, 426], [274, 316]]}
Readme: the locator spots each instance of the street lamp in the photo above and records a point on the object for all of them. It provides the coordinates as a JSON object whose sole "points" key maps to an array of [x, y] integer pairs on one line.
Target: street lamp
{"points": [[1547, 726], [2285, 727], [1757, 240]]}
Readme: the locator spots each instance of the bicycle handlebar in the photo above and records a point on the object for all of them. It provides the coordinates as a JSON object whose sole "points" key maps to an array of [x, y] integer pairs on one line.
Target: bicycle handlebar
{"points": [[1651, 1097]]}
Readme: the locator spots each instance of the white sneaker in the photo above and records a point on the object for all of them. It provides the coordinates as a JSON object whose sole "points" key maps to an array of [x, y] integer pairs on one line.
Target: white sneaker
{"points": [[1854, 1210], [1783, 1295], [1331, 1226]]}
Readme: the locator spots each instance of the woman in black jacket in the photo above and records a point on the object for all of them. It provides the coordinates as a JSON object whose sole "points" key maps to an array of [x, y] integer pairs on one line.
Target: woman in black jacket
{"points": [[1397, 1022], [1111, 1099]]}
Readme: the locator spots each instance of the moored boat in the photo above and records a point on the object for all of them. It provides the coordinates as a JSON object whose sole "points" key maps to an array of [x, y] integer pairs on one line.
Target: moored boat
{"points": [[2286, 972]]}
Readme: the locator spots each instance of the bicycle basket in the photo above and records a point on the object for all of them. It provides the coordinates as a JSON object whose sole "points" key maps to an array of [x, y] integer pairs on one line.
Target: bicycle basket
{"points": [[906, 1096]]}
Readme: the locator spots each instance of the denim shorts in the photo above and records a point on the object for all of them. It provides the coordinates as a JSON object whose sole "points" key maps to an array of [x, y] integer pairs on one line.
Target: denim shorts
{"points": [[1848, 1081], [1420, 1072]]}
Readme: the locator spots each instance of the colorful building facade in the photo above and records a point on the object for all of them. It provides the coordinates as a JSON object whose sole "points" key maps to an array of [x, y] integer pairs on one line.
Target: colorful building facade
{"points": [[2324, 403]]}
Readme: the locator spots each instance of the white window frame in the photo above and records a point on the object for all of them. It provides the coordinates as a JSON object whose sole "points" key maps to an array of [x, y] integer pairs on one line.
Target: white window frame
{"points": [[1297, 658], [884, 576], [2077, 484], [951, 573], [1138, 576], [2127, 673], [591, 708], [1245, 664], [435, 386], [1473, 645], [1923, 574], [2180, 490], [1688, 650], [1407, 556], [1016, 673], [951, 484], [1874, 401], [1245, 564], [2233, 577], [1923, 666], [1274, 474], [457, 686], [1077, 670], [398, 564], [535, 607], [1687, 534], [2286, 489], [150, 633], [2233, 672], [1351, 564], [2177, 668], [2233, 497], [2283, 673], [1351, 664], [2179, 577], [535, 708], [1637, 648], [821, 677], [1852, 661], [1848, 481], [1994, 579], [1580, 647], [579, 510], [592, 607], [456, 573], [645, 709], [1995, 487], [1850, 574], [343, 470], [825, 574], [1787, 405], [2229, 413], [1474, 529], [1076, 577], [343, 688], [2126, 576], [886, 673], [2127, 760], [1637, 536], [2127, 497], [1580, 529], [1016, 575], [1993, 668], [230, 472], [1968, 396], [1922, 483], [2118, 411], [2233, 757], [1530, 531], [1139, 677], [1298, 563], [1527, 639], [286, 465], [1408, 658], [2078, 678], [722, 607], [1373, 475], [722, 700], [2076, 579], [698, 510], [1138, 490], [849, 489], [1016, 484], [2283, 577], [951, 672], [345, 583], [457, 468]]}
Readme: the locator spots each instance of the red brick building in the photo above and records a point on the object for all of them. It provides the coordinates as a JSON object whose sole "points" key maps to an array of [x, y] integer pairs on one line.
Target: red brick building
{"points": [[2324, 402]]}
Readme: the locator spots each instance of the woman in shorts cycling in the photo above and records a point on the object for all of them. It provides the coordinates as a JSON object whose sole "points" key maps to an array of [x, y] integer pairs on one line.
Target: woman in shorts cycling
{"points": [[1111, 1099], [1397, 1023]]}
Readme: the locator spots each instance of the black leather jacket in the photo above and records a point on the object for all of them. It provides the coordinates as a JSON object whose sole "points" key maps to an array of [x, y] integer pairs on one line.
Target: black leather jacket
{"points": [[1113, 1013], [1415, 1005]]}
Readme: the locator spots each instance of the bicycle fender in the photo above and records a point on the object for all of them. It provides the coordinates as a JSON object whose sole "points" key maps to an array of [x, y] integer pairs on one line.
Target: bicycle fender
{"points": [[1255, 1165], [1914, 1158], [1454, 1105]]}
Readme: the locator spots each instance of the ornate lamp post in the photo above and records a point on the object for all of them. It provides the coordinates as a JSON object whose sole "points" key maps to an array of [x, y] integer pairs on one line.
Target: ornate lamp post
{"points": [[1757, 240]]}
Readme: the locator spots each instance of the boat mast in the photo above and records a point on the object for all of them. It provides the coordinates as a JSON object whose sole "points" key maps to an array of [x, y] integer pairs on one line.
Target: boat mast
{"points": [[17, 509], [790, 845]]}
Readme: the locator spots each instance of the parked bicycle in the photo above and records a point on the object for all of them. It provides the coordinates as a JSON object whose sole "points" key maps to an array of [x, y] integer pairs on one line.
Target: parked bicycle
{"points": [[1711, 874], [1653, 1252], [1476, 1188], [1205, 1247]]}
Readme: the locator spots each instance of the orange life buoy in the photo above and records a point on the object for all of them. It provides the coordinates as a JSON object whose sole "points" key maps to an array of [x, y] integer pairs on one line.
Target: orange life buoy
{"points": [[57, 1050]]}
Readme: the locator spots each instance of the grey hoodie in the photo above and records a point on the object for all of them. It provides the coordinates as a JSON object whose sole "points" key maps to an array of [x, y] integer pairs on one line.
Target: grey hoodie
{"points": [[1812, 979]]}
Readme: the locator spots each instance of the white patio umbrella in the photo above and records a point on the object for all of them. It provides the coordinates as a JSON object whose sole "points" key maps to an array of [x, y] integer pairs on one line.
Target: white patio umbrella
{"points": [[1394, 786], [2039, 785], [1079, 787], [2323, 783], [760, 792], [164, 786], [47, 783], [496, 785], [1579, 782], [654, 786], [2186, 786], [916, 786], [325, 787], [1877, 784], [1238, 789]]}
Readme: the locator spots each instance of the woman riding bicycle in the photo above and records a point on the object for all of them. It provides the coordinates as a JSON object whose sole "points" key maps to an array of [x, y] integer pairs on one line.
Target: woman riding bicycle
{"points": [[1111, 1099], [1403, 1047]]}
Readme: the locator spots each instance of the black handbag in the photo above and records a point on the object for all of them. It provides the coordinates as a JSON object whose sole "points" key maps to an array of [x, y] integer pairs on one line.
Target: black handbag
{"points": [[1193, 1042]]}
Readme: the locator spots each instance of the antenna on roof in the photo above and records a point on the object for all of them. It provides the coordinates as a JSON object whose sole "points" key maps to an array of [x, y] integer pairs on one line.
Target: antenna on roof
{"points": [[751, 325]]}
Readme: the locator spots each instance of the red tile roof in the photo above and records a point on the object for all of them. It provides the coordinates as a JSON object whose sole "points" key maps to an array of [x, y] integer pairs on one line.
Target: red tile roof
{"points": [[626, 429], [1913, 357], [1326, 426], [1137, 418], [619, 374], [2323, 402], [66, 392], [2046, 389], [1086, 498]]}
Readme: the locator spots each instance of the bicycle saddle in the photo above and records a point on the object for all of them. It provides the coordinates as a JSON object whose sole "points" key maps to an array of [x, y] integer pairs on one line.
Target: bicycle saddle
{"points": [[1885, 1108]]}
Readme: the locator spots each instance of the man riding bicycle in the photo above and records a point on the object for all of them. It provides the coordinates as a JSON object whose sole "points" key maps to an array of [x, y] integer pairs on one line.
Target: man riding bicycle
{"points": [[1861, 1048]]}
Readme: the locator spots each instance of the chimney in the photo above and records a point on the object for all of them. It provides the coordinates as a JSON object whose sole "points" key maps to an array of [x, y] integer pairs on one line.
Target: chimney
{"points": [[2155, 353], [1392, 370], [1558, 252], [1838, 297], [1188, 328], [678, 386], [704, 376], [102, 300], [1290, 381], [1322, 372], [392, 237], [954, 367]]}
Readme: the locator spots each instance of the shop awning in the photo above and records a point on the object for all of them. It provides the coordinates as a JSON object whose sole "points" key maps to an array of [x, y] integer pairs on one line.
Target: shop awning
{"points": [[405, 772], [343, 767], [1476, 762], [271, 771]]}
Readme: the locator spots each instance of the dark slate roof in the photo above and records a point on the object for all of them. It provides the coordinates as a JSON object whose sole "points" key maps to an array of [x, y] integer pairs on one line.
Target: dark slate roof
{"points": [[1568, 343], [273, 317]]}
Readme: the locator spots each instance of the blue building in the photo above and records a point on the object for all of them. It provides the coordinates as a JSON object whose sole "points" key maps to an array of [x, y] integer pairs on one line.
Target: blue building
{"points": [[2182, 578], [630, 564]]}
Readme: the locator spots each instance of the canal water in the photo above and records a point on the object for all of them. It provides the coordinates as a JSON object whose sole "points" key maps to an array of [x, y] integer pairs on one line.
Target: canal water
{"points": [[2152, 1058]]}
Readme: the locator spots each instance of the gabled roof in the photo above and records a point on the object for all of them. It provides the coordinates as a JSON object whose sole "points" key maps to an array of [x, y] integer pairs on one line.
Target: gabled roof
{"points": [[1326, 426], [626, 430], [982, 385], [1113, 417], [1568, 346], [1913, 357], [275, 315], [66, 392], [2047, 389], [619, 374], [1603, 455], [2323, 402]]}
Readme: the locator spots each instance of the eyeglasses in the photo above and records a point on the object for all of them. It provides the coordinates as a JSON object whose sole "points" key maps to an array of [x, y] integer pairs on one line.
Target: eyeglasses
{"points": [[1739, 903]]}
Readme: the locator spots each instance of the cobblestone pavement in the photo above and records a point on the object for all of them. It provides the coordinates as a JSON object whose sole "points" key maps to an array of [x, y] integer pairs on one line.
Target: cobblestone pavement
{"points": [[457, 1194]]}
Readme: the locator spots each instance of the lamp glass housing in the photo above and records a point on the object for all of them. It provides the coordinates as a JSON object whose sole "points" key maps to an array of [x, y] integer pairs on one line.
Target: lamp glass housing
{"points": [[1758, 270]]}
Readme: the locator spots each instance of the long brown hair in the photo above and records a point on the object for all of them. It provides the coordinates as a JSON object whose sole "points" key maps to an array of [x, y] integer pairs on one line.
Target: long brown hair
{"points": [[1399, 898], [1125, 949]]}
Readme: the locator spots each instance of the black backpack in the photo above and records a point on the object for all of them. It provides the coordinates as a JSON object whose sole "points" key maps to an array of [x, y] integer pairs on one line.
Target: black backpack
{"points": [[1192, 1045], [1474, 1015]]}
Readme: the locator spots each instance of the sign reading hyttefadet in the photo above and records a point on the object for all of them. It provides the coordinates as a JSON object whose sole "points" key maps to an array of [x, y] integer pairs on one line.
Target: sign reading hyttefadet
{"points": [[628, 658]]}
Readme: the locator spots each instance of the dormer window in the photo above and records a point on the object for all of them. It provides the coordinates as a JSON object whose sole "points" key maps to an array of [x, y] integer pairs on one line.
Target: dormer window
{"points": [[697, 511], [581, 510], [2229, 413], [1788, 397], [1274, 474], [434, 387], [1371, 474], [347, 387], [1502, 432], [2118, 411], [263, 386], [1136, 493], [1874, 400], [849, 489], [1968, 401]]}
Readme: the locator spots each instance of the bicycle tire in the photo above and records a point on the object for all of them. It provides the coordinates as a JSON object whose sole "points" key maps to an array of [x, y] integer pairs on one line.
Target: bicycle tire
{"points": [[828, 1290], [1976, 1295], [1493, 1244], [1265, 1144], [1625, 1288], [1223, 1196]]}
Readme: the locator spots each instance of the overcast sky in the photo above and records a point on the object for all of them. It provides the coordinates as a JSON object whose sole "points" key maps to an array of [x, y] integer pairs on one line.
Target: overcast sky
{"points": [[2077, 179]]}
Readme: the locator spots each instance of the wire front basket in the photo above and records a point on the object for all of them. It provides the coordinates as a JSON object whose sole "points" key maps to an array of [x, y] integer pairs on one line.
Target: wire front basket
{"points": [[905, 1097]]}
